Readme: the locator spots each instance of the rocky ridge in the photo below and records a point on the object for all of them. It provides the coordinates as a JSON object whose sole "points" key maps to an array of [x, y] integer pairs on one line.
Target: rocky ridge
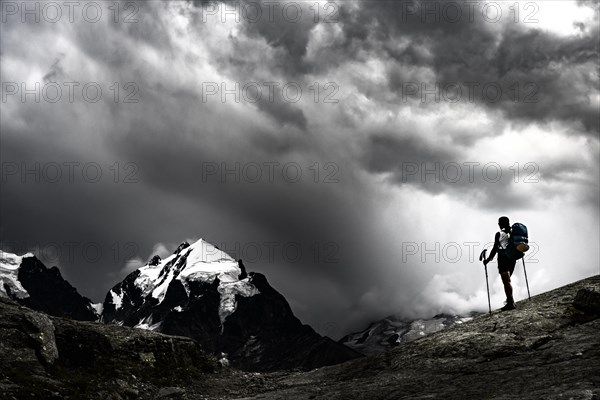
{"points": [[26, 280], [549, 348]]}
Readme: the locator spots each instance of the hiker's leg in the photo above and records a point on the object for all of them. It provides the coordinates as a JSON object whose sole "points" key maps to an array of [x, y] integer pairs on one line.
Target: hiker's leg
{"points": [[507, 286]]}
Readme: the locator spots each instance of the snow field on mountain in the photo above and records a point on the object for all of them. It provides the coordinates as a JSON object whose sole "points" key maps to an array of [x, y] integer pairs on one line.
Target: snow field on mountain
{"points": [[201, 262], [9, 270]]}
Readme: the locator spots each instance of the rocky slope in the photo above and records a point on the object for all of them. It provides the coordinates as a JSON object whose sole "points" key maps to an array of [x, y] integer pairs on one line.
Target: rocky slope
{"points": [[46, 357], [201, 292], [549, 348]]}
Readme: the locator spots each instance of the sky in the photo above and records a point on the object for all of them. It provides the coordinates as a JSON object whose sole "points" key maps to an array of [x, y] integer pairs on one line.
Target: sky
{"points": [[357, 153]]}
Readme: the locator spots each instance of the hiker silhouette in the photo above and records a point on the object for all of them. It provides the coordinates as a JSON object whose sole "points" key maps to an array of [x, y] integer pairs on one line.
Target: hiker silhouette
{"points": [[506, 265]]}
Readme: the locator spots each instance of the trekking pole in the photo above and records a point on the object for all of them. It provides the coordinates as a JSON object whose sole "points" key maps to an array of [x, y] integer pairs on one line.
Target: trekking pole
{"points": [[526, 281], [482, 258]]}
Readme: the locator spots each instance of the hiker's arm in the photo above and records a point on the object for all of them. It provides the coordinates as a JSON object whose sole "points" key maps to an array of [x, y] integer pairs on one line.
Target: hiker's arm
{"points": [[494, 249]]}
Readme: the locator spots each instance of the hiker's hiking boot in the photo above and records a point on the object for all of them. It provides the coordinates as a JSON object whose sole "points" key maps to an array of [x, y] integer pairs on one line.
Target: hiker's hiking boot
{"points": [[509, 306]]}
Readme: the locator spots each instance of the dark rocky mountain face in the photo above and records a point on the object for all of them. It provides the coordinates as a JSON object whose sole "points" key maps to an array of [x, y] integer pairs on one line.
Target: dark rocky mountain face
{"points": [[264, 335], [47, 291], [202, 293]]}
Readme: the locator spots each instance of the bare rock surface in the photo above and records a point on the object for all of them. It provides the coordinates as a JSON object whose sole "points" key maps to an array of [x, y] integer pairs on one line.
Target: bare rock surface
{"points": [[44, 357], [545, 349]]}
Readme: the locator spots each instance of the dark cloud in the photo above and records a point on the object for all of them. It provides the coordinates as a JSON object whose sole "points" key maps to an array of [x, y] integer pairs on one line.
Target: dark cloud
{"points": [[554, 75], [408, 160], [285, 26], [283, 111]]}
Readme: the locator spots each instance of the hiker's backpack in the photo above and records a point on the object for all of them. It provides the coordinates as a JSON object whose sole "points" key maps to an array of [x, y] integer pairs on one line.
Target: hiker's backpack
{"points": [[517, 241]]}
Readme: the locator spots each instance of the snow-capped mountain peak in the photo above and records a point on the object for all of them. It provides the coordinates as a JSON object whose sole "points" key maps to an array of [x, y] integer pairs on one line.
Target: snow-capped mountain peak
{"points": [[202, 292], [199, 262]]}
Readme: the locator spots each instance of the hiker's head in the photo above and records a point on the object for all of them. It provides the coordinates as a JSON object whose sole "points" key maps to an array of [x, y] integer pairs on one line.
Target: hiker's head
{"points": [[503, 222]]}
